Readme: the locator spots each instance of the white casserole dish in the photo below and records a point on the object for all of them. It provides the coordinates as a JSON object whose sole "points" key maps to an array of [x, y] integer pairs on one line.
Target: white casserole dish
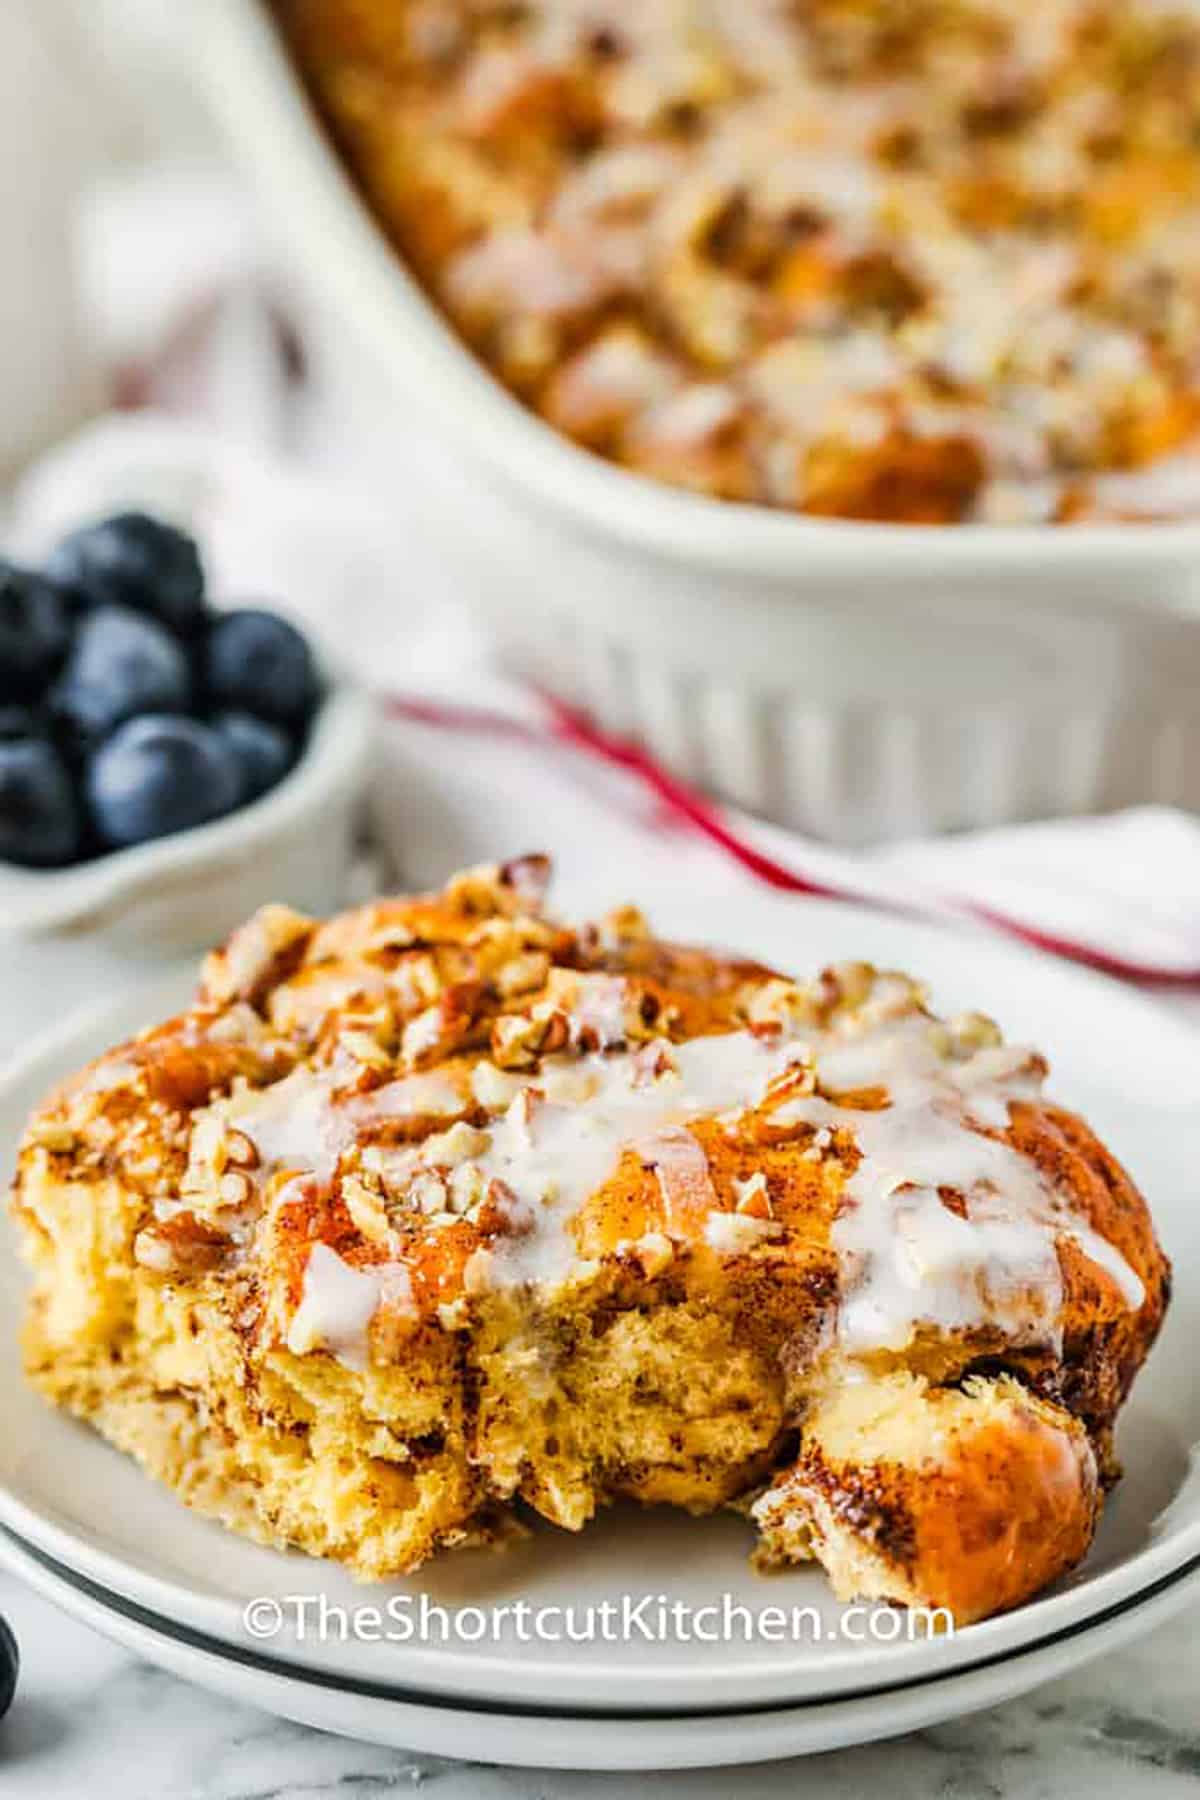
{"points": [[859, 682]]}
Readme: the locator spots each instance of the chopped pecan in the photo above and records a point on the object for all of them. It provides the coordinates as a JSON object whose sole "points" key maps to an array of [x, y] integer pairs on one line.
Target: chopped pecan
{"points": [[518, 1039], [259, 955], [448, 1025], [507, 888]]}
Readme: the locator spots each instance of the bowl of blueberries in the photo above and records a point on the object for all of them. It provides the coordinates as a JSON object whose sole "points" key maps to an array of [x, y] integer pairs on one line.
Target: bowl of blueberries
{"points": [[165, 764]]}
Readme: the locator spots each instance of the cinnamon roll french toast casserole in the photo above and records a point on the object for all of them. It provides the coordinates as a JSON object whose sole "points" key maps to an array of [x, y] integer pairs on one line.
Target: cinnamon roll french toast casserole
{"points": [[921, 261], [440, 1214]]}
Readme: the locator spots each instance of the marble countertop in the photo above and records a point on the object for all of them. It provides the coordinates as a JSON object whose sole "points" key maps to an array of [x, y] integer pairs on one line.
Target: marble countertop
{"points": [[92, 1719]]}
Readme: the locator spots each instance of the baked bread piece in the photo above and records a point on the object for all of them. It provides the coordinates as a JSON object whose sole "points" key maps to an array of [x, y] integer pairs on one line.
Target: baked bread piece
{"points": [[440, 1205], [911, 260]]}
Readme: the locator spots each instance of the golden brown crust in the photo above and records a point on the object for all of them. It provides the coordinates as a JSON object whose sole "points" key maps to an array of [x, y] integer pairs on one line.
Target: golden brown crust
{"points": [[331, 1254], [968, 1500]]}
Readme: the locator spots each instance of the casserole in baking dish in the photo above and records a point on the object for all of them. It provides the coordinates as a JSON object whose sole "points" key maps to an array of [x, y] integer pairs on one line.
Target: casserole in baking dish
{"points": [[923, 262], [859, 680]]}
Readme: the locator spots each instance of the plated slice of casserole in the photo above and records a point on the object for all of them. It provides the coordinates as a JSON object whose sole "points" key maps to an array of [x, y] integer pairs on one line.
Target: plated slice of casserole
{"points": [[442, 1206]]}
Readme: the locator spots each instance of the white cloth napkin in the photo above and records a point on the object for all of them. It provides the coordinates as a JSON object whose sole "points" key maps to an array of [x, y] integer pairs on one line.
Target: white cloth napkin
{"points": [[459, 785], [472, 768]]}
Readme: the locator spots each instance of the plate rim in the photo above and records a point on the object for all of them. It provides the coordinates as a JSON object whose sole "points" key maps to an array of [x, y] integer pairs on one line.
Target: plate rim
{"points": [[970, 1689], [159, 1624], [1019, 1628]]}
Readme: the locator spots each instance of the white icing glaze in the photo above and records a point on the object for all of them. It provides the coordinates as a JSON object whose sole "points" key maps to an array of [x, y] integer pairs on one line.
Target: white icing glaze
{"points": [[553, 1158], [681, 1167], [942, 1226], [598, 1010], [614, 377], [409, 1097], [908, 1259], [297, 1123], [1170, 486], [732, 1233], [692, 416], [293, 1124], [517, 266], [338, 1303]]}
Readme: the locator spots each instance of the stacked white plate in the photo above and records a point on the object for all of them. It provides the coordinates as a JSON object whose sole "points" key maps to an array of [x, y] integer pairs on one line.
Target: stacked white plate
{"points": [[86, 1529]]}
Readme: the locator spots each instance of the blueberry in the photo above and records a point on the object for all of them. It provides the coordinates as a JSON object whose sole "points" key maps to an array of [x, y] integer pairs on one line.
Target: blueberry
{"points": [[256, 662], [136, 561], [158, 774], [9, 1664], [34, 632], [264, 752], [120, 664], [19, 722], [39, 819]]}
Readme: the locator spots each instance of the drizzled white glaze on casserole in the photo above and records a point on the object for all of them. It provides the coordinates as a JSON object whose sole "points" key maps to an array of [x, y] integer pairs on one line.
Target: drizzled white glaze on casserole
{"points": [[339, 1302], [942, 1224], [908, 1258]]}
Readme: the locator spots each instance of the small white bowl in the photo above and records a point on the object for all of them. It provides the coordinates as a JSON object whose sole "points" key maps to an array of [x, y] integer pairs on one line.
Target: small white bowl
{"points": [[188, 891]]}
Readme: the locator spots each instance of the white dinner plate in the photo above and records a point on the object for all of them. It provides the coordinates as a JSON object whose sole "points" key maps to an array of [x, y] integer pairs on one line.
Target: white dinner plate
{"points": [[562, 1740], [1132, 1068]]}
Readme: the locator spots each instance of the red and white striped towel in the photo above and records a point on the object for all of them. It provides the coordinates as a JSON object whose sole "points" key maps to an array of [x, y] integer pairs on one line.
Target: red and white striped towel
{"points": [[463, 780]]}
